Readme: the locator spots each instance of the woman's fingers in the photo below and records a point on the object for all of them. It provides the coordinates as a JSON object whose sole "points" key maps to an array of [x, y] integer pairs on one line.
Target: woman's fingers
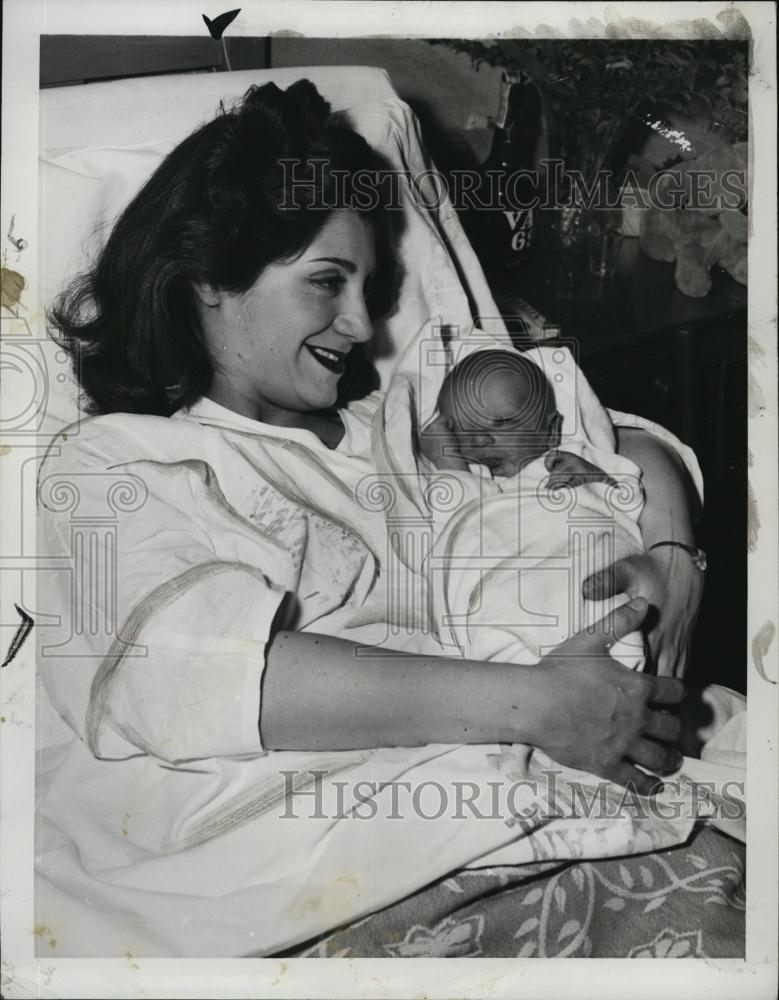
{"points": [[623, 620], [654, 757], [667, 691], [597, 640], [631, 777], [603, 720], [614, 579], [664, 727]]}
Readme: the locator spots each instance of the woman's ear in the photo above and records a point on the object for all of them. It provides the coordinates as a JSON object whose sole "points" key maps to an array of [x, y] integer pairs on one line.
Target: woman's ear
{"points": [[209, 297]]}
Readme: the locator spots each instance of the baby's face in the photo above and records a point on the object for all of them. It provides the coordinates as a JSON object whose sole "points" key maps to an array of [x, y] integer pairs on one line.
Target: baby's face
{"points": [[502, 423]]}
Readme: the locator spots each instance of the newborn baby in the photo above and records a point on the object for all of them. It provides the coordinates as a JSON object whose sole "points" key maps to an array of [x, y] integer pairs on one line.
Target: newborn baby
{"points": [[512, 560], [501, 412]]}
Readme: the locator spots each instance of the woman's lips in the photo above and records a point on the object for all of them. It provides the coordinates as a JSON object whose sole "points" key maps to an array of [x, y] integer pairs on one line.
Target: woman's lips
{"points": [[334, 361]]}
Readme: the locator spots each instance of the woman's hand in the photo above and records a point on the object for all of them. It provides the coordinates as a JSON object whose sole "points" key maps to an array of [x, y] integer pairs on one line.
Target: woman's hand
{"points": [[672, 585], [438, 443], [666, 577], [604, 718]]}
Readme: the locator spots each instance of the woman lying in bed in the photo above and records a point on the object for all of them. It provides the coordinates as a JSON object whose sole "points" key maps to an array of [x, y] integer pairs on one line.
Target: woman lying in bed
{"points": [[251, 611]]}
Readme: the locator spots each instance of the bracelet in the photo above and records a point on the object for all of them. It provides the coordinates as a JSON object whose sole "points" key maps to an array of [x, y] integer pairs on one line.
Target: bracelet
{"points": [[698, 556]]}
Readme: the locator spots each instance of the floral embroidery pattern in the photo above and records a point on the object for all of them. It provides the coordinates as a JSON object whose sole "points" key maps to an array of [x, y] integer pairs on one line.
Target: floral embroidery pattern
{"points": [[686, 902], [669, 944], [643, 884], [449, 939]]}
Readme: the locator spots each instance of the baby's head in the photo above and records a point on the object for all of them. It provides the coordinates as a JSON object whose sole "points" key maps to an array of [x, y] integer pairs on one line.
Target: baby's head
{"points": [[502, 409]]}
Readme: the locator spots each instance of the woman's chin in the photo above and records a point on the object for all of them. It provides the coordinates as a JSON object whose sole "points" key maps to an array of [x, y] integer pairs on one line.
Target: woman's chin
{"points": [[324, 398]]}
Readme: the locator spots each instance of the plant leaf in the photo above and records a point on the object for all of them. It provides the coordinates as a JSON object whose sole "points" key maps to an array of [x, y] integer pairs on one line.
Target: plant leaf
{"points": [[527, 926], [569, 928]]}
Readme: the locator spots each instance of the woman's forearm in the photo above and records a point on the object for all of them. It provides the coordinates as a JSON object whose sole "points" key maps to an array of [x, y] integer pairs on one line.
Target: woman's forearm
{"points": [[672, 506], [323, 692], [577, 704]]}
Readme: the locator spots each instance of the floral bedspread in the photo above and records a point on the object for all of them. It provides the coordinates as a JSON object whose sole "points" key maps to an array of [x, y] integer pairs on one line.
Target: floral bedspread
{"points": [[687, 902]]}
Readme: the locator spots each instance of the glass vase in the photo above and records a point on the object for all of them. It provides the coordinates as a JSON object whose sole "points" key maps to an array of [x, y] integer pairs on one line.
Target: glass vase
{"points": [[581, 249]]}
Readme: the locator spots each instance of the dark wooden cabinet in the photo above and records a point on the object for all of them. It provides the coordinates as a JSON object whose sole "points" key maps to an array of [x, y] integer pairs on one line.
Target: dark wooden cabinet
{"points": [[648, 349]]}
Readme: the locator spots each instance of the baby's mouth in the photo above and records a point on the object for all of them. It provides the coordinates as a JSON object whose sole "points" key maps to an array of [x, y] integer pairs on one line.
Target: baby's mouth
{"points": [[334, 361], [491, 461]]}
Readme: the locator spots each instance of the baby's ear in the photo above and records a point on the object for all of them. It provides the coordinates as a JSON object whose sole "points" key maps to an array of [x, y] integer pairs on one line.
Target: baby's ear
{"points": [[555, 425]]}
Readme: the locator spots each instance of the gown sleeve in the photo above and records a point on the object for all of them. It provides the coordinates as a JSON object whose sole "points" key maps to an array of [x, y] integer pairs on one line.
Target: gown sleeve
{"points": [[156, 604], [684, 452]]}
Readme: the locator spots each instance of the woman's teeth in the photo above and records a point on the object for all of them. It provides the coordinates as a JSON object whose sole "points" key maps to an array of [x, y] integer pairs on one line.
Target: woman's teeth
{"points": [[334, 361]]}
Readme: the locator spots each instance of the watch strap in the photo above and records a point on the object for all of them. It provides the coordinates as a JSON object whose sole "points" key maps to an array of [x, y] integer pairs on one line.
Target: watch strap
{"points": [[698, 556]]}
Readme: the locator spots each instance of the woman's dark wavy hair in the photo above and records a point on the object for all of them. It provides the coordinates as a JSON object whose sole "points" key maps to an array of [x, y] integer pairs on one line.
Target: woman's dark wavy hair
{"points": [[215, 212]]}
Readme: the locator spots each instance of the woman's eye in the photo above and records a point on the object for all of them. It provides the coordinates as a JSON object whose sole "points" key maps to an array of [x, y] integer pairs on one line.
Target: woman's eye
{"points": [[331, 283]]}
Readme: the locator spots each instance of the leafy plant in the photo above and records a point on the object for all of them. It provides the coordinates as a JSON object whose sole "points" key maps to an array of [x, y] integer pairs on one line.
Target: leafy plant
{"points": [[592, 88]]}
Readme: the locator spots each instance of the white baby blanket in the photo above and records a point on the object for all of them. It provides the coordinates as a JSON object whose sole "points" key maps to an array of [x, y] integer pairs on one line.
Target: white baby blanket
{"points": [[221, 855], [508, 558]]}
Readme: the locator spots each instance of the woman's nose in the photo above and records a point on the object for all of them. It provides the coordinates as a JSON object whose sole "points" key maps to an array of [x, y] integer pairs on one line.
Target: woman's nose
{"points": [[353, 320]]}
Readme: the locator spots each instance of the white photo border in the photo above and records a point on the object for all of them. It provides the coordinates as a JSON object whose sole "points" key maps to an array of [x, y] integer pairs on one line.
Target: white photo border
{"points": [[24, 975]]}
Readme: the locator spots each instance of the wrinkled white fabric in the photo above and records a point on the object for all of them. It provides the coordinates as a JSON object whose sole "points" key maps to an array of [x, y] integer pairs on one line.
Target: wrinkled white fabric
{"points": [[163, 827], [509, 556]]}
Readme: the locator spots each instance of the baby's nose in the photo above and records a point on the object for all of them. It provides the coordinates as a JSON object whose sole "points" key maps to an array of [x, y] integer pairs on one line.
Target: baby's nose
{"points": [[479, 440]]}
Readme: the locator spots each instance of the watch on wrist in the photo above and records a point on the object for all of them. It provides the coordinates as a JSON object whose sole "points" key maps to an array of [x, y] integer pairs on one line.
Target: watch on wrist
{"points": [[698, 556]]}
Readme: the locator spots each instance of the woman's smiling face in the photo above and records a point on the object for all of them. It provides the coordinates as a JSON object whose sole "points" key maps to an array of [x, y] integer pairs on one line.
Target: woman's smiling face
{"points": [[279, 348]]}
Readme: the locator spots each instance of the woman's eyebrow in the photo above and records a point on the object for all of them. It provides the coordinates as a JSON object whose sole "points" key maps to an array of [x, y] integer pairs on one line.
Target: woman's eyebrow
{"points": [[346, 264]]}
